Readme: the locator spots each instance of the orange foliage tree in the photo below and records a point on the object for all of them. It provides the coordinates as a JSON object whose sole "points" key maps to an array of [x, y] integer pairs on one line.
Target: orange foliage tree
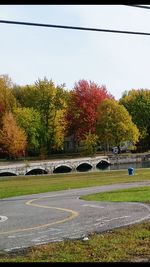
{"points": [[12, 137]]}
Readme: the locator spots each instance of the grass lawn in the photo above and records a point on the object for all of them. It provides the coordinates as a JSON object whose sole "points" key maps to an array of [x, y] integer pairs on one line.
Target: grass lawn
{"points": [[126, 244], [136, 194], [24, 185]]}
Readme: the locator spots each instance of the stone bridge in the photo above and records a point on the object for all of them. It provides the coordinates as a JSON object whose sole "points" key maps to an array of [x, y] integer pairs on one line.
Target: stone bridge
{"points": [[57, 166]]}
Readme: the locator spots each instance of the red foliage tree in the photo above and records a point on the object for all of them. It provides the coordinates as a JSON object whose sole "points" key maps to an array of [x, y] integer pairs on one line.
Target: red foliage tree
{"points": [[82, 108]]}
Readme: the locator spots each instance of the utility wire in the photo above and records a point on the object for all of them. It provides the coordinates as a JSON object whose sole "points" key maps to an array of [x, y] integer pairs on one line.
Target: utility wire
{"points": [[145, 7], [71, 27]]}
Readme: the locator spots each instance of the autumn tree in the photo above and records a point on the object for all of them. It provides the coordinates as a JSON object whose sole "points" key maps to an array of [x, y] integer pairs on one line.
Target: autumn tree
{"points": [[59, 130], [137, 102], [114, 124], [81, 114], [12, 137], [7, 99], [90, 144], [29, 119], [50, 101]]}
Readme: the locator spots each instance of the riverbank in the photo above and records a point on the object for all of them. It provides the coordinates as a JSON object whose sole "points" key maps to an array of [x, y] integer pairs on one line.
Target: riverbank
{"points": [[114, 158], [129, 158]]}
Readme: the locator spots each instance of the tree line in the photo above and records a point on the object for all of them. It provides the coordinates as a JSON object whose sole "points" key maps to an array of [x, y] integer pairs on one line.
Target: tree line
{"points": [[36, 119]]}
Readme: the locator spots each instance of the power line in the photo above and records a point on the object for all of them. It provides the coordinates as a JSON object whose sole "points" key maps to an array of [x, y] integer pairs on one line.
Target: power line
{"points": [[71, 27], [145, 7]]}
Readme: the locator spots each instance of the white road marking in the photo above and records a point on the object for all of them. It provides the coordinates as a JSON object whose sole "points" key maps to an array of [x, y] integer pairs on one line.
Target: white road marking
{"points": [[53, 234], [45, 242], [38, 238], [3, 218], [101, 219], [50, 230], [15, 236], [143, 218], [108, 220], [13, 248], [41, 243], [92, 206], [44, 239]]}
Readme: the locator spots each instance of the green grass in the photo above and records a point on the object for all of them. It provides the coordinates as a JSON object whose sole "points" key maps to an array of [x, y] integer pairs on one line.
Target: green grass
{"points": [[136, 194], [17, 186], [127, 244]]}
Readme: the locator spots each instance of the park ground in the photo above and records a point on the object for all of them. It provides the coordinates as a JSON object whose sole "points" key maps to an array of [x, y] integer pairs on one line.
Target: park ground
{"points": [[129, 244]]}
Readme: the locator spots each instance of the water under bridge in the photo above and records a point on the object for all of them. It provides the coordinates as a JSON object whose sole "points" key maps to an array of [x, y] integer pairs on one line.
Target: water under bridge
{"points": [[54, 166]]}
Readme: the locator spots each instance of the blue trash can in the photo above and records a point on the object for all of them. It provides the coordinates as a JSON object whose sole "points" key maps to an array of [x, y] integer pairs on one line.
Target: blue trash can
{"points": [[131, 171]]}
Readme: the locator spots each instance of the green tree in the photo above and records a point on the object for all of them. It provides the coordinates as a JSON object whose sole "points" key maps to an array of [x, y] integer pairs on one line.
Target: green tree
{"points": [[137, 102], [29, 119], [90, 144], [114, 124], [12, 137], [50, 101], [25, 95]]}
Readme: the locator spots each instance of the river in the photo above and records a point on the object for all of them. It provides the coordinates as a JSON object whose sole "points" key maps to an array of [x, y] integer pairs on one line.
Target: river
{"points": [[125, 166]]}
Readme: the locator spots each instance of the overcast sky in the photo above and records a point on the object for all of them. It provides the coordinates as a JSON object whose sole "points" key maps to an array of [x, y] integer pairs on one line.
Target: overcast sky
{"points": [[118, 61]]}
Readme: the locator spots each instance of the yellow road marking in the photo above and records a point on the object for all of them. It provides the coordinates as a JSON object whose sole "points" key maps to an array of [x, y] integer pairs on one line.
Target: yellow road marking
{"points": [[30, 203]]}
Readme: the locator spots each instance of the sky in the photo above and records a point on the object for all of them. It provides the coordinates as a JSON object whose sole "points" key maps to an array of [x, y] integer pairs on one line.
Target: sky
{"points": [[120, 62]]}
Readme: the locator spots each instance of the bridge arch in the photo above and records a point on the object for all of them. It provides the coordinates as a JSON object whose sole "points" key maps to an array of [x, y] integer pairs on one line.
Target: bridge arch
{"points": [[7, 173], [84, 166], [102, 164], [62, 169], [36, 171]]}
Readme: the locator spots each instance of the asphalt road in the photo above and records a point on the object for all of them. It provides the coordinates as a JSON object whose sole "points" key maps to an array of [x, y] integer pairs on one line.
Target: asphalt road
{"points": [[42, 218]]}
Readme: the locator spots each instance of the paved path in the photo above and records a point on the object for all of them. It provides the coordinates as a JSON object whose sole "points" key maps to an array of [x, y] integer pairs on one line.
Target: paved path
{"points": [[41, 218]]}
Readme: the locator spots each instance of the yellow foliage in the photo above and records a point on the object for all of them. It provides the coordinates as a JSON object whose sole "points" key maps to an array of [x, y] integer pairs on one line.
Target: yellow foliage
{"points": [[12, 137]]}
